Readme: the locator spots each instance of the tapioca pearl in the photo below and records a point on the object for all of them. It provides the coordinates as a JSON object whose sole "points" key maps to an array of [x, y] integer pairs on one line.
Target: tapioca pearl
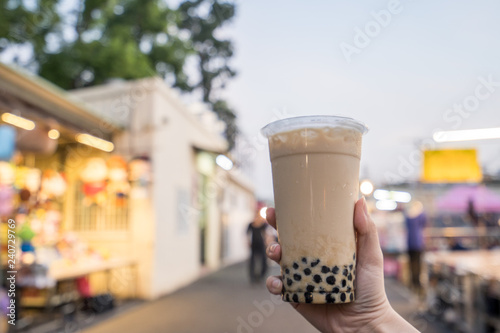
{"points": [[348, 289], [307, 272], [287, 270], [295, 265], [343, 297], [335, 290], [330, 280], [325, 269], [295, 298], [315, 263], [349, 277], [344, 283], [310, 288], [287, 297], [304, 260], [351, 297], [354, 256], [309, 297], [345, 272], [289, 282], [317, 278], [297, 277], [329, 298], [351, 266], [335, 269]]}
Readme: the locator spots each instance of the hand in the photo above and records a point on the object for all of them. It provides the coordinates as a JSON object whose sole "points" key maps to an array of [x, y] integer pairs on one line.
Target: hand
{"points": [[371, 311]]}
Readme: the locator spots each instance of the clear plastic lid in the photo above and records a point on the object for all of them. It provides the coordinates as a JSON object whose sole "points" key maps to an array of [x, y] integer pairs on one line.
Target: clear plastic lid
{"points": [[295, 123]]}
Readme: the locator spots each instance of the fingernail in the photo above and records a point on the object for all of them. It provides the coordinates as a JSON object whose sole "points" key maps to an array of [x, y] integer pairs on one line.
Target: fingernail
{"points": [[365, 207], [276, 284], [272, 248]]}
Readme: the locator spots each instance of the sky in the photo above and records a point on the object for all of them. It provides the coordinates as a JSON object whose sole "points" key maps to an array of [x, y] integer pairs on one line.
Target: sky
{"points": [[404, 68]]}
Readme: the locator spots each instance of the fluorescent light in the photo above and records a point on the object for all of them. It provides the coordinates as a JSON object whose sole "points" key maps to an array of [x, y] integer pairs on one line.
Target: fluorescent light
{"points": [[467, 135], [18, 121], [95, 142], [54, 134], [392, 195], [263, 213], [366, 187], [224, 162], [386, 205]]}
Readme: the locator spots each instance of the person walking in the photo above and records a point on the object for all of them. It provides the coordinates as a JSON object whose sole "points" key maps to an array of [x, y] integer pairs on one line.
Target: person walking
{"points": [[257, 234], [415, 222]]}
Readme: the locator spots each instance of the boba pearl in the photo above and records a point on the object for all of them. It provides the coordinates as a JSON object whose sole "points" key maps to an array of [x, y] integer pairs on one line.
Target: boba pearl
{"points": [[329, 298], [315, 263], [307, 278]]}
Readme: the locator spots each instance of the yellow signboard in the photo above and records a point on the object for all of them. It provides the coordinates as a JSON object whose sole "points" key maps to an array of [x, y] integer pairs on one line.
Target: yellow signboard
{"points": [[451, 166]]}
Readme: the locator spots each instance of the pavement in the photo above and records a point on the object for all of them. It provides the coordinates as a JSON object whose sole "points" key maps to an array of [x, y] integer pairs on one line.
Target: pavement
{"points": [[225, 302]]}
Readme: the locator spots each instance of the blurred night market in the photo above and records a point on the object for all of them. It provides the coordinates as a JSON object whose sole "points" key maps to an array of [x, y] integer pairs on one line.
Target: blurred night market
{"points": [[131, 159]]}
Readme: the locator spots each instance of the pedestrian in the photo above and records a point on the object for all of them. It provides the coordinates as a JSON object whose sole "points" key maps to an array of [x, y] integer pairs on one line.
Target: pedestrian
{"points": [[257, 235], [371, 312], [415, 223]]}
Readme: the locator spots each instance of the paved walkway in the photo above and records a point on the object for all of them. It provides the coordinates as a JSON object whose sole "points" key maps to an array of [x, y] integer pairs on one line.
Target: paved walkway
{"points": [[224, 302]]}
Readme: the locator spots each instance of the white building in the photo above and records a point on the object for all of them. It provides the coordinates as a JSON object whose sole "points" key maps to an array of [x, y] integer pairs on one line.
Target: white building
{"points": [[193, 216]]}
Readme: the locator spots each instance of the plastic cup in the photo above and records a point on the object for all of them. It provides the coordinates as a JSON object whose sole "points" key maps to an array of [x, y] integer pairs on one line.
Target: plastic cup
{"points": [[315, 165]]}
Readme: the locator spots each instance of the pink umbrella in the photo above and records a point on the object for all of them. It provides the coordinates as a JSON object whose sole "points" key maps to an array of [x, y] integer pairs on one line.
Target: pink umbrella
{"points": [[457, 199]]}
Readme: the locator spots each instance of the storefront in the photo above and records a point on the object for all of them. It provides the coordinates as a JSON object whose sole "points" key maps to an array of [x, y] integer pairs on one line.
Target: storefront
{"points": [[60, 179], [193, 218]]}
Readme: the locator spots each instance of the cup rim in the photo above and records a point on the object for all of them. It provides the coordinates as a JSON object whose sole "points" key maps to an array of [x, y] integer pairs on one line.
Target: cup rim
{"points": [[321, 121]]}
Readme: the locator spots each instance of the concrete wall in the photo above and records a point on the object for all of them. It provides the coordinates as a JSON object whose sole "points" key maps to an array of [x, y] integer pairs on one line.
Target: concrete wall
{"points": [[165, 231]]}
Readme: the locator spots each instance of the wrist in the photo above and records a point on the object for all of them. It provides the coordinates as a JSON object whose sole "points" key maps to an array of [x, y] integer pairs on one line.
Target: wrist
{"points": [[391, 321]]}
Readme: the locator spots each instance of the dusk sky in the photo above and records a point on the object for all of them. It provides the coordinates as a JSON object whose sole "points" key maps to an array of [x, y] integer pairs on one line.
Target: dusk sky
{"points": [[418, 74]]}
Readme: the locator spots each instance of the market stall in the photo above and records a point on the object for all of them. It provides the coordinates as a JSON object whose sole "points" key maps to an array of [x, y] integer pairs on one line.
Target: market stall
{"points": [[464, 289], [59, 187]]}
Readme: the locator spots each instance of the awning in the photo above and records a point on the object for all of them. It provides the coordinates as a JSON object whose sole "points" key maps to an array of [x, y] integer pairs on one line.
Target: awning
{"points": [[35, 97]]}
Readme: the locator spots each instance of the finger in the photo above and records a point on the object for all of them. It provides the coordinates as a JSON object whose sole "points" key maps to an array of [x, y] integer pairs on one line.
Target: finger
{"points": [[274, 252], [369, 251], [271, 217], [274, 285]]}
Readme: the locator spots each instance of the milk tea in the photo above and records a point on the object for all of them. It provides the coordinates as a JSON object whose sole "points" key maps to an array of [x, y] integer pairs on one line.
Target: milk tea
{"points": [[316, 180]]}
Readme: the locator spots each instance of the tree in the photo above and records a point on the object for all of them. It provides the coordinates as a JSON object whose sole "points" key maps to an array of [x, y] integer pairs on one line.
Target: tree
{"points": [[213, 54], [100, 40]]}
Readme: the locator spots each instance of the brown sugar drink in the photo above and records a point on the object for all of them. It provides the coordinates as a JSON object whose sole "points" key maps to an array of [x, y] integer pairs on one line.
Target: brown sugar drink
{"points": [[315, 165]]}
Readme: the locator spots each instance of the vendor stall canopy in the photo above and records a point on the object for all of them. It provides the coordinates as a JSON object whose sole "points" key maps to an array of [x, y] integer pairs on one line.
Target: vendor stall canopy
{"points": [[459, 198], [43, 114]]}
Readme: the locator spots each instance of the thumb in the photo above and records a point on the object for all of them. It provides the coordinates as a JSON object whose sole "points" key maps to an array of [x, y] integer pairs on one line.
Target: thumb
{"points": [[369, 251]]}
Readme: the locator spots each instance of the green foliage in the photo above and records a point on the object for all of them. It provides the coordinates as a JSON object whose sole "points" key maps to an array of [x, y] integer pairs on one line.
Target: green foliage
{"points": [[130, 39]]}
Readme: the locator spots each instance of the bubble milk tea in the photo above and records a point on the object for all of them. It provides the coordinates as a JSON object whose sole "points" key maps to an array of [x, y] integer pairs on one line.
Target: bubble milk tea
{"points": [[315, 166]]}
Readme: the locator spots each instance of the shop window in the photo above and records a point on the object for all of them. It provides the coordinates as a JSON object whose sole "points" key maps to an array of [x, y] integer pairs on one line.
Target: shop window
{"points": [[109, 212]]}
